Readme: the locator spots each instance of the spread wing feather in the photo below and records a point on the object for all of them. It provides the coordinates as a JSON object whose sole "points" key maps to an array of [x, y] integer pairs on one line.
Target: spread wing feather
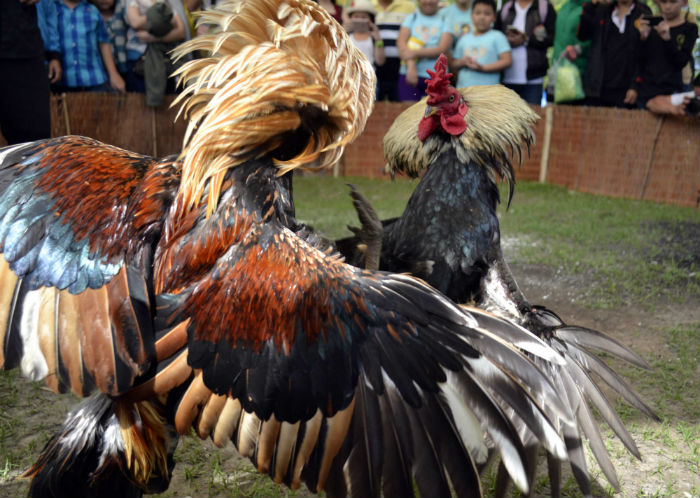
{"points": [[77, 222]]}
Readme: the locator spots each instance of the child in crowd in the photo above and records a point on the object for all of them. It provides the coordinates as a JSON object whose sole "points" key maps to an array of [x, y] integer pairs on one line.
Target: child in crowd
{"points": [[482, 54], [85, 48], [390, 15], [113, 14], [458, 19], [667, 48], [422, 38], [365, 34]]}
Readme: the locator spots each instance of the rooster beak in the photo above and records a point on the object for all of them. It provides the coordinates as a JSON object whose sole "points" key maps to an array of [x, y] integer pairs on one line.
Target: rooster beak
{"points": [[430, 111]]}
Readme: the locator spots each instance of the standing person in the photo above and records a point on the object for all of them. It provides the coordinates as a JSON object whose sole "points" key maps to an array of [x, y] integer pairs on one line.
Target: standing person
{"points": [[86, 52], [529, 27], [458, 19], [365, 34], [613, 58], [482, 54], [422, 39], [390, 15], [154, 28], [114, 16], [565, 31], [25, 109], [667, 48]]}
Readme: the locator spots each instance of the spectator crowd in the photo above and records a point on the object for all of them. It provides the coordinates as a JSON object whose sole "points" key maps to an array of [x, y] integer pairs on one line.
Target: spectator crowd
{"points": [[625, 53]]}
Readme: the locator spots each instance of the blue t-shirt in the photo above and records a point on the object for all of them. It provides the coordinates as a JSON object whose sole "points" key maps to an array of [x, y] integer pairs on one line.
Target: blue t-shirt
{"points": [[80, 31], [456, 21], [425, 32], [485, 49]]}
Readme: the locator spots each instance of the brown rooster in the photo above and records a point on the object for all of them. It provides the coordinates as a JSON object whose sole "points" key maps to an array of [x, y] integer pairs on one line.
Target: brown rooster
{"points": [[183, 293], [463, 141]]}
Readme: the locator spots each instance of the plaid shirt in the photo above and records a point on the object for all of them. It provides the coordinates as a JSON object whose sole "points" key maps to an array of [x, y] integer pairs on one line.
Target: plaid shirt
{"points": [[116, 28], [80, 30]]}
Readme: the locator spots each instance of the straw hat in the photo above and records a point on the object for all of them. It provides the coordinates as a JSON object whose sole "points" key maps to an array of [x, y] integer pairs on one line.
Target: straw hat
{"points": [[361, 6]]}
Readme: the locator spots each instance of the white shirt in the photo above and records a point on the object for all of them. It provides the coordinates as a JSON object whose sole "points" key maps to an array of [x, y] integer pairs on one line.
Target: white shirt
{"points": [[365, 46], [516, 74]]}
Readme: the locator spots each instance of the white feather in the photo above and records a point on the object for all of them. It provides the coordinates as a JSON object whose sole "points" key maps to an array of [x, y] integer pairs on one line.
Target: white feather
{"points": [[33, 364], [468, 425], [7, 150]]}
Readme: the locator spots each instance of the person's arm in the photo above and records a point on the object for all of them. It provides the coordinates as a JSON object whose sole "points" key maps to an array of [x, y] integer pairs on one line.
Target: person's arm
{"points": [[174, 35], [678, 55], [504, 62], [379, 54], [442, 47], [135, 19], [115, 80], [402, 44]]}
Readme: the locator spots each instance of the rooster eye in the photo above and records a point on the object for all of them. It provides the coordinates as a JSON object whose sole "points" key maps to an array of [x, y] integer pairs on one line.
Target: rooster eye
{"points": [[451, 98]]}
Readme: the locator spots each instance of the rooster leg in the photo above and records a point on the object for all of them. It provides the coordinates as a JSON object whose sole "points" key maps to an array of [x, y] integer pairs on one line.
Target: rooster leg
{"points": [[370, 234]]}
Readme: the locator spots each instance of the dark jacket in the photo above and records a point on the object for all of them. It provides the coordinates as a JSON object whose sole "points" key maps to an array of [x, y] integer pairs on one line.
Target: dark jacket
{"points": [[537, 63], [20, 37], [596, 23]]}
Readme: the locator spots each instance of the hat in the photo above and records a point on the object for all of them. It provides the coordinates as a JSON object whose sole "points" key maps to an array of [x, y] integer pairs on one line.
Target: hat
{"points": [[361, 6]]}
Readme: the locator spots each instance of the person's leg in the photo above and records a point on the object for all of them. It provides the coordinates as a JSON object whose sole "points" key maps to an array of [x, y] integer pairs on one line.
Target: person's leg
{"points": [[25, 106], [532, 93]]}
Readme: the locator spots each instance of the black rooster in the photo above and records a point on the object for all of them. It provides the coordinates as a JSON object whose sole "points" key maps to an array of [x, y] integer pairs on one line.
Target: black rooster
{"points": [[463, 140]]}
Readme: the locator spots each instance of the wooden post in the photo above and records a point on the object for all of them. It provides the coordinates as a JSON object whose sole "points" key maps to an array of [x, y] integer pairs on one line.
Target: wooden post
{"points": [[544, 160]]}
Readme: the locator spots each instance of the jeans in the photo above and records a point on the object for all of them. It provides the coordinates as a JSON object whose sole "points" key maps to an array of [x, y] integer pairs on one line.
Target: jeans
{"points": [[529, 92]]}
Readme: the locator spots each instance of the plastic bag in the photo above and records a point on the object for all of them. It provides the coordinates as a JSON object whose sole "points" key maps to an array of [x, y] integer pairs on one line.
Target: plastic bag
{"points": [[567, 82]]}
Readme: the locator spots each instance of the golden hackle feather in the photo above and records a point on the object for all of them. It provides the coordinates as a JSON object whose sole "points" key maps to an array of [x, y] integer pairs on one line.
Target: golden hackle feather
{"points": [[145, 439], [499, 123], [274, 67]]}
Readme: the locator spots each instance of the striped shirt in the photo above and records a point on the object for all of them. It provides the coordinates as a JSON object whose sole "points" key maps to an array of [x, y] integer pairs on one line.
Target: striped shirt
{"points": [[80, 30], [116, 29], [389, 23]]}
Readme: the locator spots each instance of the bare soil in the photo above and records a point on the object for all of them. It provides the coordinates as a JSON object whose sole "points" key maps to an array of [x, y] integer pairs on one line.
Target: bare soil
{"points": [[30, 413]]}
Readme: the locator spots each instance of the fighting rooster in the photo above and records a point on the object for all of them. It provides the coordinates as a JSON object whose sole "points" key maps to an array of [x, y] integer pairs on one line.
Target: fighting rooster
{"points": [[184, 295], [463, 140]]}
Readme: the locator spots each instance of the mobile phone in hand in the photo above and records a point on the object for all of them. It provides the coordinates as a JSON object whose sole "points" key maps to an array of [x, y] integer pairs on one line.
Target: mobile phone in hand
{"points": [[653, 20], [360, 26]]}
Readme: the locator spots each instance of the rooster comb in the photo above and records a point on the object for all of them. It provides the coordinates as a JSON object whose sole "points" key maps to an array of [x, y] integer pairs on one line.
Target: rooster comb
{"points": [[439, 79]]}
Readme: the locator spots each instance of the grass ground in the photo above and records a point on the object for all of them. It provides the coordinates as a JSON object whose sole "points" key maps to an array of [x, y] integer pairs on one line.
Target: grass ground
{"points": [[629, 268]]}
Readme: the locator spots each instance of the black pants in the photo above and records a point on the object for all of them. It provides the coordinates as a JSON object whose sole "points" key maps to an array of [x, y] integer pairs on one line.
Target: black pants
{"points": [[25, 108]]}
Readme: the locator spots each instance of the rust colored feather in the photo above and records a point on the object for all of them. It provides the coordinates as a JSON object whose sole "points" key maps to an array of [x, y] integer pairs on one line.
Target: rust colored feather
{"points": [[195, 397], [46, 331], [210, 415], [313, 427], [98, 352], [228, 422], [69, 326], [172, 342], [173, 375], [337, 431], [124, 321], [266, 443], [8, 282], [285, 449]]}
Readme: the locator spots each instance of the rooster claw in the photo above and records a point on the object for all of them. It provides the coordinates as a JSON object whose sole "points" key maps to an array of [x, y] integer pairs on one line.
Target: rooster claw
{"points": [[370, 233]]}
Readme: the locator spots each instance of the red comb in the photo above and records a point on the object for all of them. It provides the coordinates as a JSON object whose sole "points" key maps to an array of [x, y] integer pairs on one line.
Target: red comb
{"points": [[439, 79]]}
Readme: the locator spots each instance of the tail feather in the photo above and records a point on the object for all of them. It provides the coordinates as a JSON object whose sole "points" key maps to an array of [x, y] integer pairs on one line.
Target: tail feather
{"points": [[104, 450]]}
